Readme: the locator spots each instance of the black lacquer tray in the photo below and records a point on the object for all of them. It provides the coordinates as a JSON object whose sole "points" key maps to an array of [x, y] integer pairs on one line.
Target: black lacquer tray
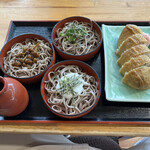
{"points": [[104, 112]]}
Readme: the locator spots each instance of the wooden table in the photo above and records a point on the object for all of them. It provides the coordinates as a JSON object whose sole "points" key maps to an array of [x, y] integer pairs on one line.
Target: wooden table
{"points": [[98, 10]]}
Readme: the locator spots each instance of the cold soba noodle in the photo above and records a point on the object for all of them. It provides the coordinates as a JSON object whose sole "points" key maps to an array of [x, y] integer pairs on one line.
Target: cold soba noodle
{"points": [[77, 38], [28, 58], [70, 91]]}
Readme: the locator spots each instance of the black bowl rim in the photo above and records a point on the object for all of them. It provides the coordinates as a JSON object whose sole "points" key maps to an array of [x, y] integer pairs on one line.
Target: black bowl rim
{"points": [[79, 114], [100, 42], [25, 78]]}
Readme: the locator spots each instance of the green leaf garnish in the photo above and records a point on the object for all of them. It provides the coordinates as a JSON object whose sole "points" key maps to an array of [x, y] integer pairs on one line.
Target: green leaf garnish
{"points": [[74, 32], [62, 34], [67, 85]]}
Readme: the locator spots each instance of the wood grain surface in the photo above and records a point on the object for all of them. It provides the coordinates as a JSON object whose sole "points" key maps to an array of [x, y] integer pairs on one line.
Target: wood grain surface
{"points": [[98, 10], [81, 129]]}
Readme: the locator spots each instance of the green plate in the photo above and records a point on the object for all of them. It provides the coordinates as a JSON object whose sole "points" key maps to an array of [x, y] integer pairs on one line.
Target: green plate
{"points": [[114, 88]]}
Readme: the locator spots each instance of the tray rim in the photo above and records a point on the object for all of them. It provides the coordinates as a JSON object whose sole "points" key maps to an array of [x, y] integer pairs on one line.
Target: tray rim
{"points": [[76, 122], [71, 121]]}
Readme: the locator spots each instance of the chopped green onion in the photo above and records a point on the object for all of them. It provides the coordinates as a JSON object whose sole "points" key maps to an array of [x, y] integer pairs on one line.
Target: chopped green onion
{"points": [[62, 34], [74, 33]]}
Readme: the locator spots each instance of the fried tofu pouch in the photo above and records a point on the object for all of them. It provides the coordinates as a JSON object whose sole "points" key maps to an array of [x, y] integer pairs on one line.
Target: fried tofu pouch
{"points": [[131, 41], [128, 31], [138, 78], [134, 62], [134, 51]]}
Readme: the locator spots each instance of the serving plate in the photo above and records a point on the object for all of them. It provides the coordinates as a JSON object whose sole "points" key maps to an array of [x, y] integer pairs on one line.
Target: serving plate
{"points": [[105, 111], [116, 90]]}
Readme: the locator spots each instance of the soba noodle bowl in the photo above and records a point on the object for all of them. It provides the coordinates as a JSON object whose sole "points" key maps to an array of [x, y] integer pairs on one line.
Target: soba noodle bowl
{"points": [[77, 38], [28, 58], [70, 91]]}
